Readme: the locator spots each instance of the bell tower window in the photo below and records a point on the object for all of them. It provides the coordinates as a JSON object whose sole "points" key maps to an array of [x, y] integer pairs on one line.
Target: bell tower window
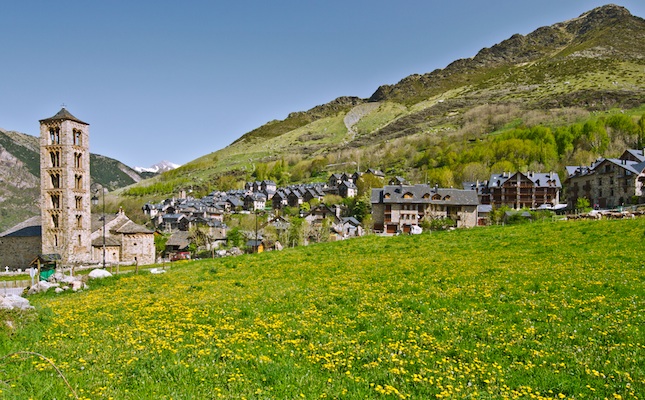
{"points": [[55, 201], [55, 156], [78, 182], [55, 181], [55, 220], [54, 135], [78, 157], [76, 134]]}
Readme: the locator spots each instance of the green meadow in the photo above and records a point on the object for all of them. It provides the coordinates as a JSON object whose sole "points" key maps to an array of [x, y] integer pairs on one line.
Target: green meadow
{"points": [[544, 310]]}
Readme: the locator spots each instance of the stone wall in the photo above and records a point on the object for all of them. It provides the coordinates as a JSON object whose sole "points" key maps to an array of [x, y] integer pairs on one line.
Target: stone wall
{"points": [[138, 248]]}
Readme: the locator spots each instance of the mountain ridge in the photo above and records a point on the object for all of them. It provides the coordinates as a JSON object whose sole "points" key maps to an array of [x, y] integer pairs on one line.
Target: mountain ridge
{"points": [[589, 63], [20, 176], [419, 127]]}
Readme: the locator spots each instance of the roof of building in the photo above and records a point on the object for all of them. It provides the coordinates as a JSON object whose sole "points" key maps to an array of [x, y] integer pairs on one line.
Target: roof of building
{"points": [[351, 221], [638, 154], [63, 115], [180, 239], [427, 194], [110, 241], [97, 220], [539, 179], [130, 228], [29, 227], [635, 167]]}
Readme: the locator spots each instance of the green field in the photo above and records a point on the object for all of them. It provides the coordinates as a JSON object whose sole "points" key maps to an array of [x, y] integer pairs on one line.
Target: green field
{"points": [[542, 310]]}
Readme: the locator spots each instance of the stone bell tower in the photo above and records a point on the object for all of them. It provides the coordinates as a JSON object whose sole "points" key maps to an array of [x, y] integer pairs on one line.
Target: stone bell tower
{"points": [[65, 187]]}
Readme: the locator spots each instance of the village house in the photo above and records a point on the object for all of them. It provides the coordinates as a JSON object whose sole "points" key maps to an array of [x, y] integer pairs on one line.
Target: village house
{"points": [[350, 227], [522, 190], [255, 201], [399, 208], [347, 189], [608, 182]]}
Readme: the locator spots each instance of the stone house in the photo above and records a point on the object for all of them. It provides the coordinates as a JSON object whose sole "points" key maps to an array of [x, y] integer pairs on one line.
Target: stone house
{"points": [[397, 208], [608, 182], [255, 201], [347, 189], [522, 190], [351, 227]]}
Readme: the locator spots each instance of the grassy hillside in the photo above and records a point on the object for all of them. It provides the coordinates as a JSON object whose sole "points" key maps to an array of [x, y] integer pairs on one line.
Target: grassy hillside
{"points": [[574, 72], [543, 310]]}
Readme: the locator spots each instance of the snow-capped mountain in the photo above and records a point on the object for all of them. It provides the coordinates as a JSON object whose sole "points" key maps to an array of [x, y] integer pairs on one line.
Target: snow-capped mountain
{"points": [[158, 168]]}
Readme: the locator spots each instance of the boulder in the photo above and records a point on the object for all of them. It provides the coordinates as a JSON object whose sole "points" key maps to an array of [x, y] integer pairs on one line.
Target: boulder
{"points": [[41, 286], [57, 277], [99, 274], [12, 301], [78, 285]]}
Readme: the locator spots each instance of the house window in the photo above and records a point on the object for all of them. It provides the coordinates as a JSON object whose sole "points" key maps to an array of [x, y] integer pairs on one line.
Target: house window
{"points": [[55, 201], [55, 180], [599, 192], [55, 157], [436, 197], [54, 135], [77, 137]]}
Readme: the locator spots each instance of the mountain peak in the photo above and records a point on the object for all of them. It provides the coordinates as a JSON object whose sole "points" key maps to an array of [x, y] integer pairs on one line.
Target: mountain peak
{"points": [[603, 32], [159, 167]]}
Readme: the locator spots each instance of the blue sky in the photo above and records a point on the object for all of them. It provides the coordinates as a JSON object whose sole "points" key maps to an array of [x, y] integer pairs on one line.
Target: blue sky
{"points": [[175, 80]]}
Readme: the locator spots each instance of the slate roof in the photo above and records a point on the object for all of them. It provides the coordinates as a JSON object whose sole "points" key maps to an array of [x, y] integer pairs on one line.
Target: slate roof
{"points": [[539, 179], [97, 220], [180, 239], [130, 227], [110, 241], [635, 167], [348, 184], [638, 154], [30, 227], [63, 115], [351, 221], [423, 194]]}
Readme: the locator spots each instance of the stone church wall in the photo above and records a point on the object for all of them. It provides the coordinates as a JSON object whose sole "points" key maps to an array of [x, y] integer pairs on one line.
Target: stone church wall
{"points": [[138, 248]]}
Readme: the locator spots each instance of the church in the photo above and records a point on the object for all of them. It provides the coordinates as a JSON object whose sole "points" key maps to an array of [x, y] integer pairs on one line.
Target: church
{"points": [[66, 230]]}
